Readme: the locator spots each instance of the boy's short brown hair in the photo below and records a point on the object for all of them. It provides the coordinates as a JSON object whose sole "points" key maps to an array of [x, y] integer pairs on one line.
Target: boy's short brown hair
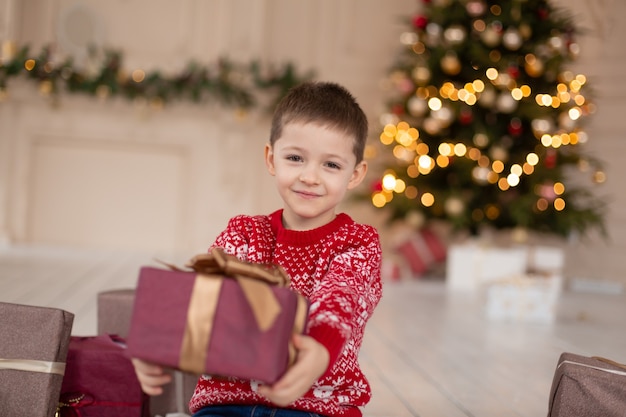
{"points": [[324, 103]]}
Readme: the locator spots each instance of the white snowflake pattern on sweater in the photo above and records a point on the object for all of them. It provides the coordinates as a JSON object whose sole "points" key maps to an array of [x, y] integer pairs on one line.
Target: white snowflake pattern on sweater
{"points": [[336, 266]]}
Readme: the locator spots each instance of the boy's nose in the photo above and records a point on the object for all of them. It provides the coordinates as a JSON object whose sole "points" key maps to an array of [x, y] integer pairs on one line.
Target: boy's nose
{"points": [[309, 175]]}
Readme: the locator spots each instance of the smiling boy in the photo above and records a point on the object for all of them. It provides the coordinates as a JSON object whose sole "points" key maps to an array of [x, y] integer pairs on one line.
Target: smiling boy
{"points": [[315, 154]]}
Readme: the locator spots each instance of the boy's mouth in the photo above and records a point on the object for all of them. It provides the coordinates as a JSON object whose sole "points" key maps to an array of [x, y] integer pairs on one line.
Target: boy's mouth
{"points": [[306, 194]]}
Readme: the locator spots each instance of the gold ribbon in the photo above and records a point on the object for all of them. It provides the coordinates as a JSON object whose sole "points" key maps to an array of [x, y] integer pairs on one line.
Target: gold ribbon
{"points": [[261, 300], [33, 366], [200, 317], [253, 279], [217, 261], [302, 310]]}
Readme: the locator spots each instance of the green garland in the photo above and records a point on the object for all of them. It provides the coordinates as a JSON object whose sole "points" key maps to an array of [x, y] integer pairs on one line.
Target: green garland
{"points": [[226, 82]]}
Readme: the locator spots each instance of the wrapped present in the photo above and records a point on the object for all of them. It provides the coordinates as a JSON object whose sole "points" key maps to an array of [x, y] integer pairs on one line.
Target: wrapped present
{"points": [[390, 269], [225, 317], [421, 251], [587, 387], [523, 298], [114, 314], [472, 264], [100, 380], [418, 262], [435, 245], [33, 349], [543, 258]]}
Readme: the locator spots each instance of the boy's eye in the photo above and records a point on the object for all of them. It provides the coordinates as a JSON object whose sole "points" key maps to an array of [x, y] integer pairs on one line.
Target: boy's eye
{"points": [[333, 165], [294, 158]]}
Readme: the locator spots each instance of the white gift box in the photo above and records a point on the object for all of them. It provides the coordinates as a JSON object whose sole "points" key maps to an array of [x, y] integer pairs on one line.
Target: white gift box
{"points": [[524, 298], [470, 265], [546, 259]]}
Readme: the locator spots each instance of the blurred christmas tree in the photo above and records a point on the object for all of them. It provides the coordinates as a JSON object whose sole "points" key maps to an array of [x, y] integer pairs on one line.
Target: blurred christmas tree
{"points": [[483, 126]]}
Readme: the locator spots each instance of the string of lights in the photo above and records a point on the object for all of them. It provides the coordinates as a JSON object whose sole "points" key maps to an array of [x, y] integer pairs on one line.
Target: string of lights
{"points": [[484, 121]]}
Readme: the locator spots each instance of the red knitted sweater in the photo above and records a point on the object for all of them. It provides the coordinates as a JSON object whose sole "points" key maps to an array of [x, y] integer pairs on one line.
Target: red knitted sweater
{"points": [[337, 266]]}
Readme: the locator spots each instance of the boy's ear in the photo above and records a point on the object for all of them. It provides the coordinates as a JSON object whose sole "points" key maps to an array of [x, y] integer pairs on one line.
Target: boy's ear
{"points": [[358, 175], [269, 159]]}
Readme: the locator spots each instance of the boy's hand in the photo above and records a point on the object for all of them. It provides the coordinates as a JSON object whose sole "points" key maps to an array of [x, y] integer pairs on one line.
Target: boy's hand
{"points": [[151, 376], [311, 362]]}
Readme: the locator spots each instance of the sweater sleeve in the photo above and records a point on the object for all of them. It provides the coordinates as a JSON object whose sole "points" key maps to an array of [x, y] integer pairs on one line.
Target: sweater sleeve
{"points": [[347, 295], [248, 237], [234, 239]]}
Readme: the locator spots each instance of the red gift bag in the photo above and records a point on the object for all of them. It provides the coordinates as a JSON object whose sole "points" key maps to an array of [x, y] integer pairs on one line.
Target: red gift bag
{"points": [[100, 380], [226, 318]]}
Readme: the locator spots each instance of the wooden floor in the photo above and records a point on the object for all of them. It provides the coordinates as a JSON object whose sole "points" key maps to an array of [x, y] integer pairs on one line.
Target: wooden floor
{"points": [[427, 352]]}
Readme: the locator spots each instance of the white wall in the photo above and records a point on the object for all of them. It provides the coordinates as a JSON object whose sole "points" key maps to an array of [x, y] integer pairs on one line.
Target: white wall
{"points": [[118, 175], [603, 60]]}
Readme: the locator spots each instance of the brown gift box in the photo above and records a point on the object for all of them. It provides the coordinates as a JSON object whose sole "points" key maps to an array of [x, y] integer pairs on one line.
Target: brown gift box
{"points": [[227, 318], [33, 349], [114, 314], [115, 307], [588, 386]]}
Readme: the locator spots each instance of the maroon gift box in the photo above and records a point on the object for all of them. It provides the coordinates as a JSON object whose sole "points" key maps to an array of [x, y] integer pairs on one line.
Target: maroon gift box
{"points": [[100, 380], [587, 386], [175, 309], [33, 349]]}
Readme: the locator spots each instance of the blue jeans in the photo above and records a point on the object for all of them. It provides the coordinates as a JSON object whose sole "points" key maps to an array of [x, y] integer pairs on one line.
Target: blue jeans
{"points": [[250, 411]]}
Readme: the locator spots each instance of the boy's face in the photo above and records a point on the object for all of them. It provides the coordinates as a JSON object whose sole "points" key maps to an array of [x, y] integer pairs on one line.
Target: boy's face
{"points": [[314, 166]]}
